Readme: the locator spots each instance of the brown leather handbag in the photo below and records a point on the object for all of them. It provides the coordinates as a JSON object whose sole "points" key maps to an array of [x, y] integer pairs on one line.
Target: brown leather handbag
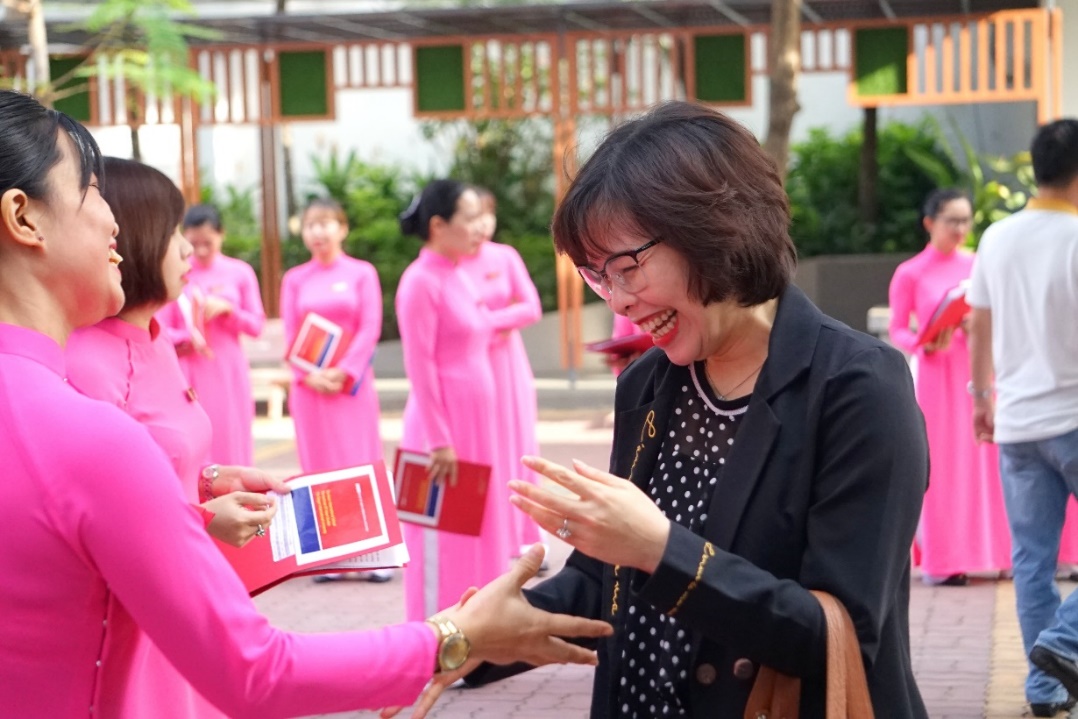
{"points": [[777, 696]]}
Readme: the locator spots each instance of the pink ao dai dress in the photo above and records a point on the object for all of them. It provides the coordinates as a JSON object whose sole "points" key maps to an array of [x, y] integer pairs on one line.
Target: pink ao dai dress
{"points": [[963, 524], [101, 544], [137, 371], [501, 278], [446, 333], [340, 430], [222, 379]]}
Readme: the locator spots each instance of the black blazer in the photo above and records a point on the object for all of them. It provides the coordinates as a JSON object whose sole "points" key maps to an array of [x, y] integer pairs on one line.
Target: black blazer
{"points": [[822, 490]]}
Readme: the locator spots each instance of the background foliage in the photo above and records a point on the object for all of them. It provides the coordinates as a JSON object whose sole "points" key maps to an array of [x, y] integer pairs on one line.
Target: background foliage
{"points": [[823, 183]]}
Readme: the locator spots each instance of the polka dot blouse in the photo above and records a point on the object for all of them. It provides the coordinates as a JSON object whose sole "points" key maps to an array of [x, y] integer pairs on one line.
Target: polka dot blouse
{"points": [[656, 651]]}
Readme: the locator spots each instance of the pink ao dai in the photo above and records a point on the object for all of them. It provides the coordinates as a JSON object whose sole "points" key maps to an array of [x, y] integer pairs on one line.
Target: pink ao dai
{"points": [[502, 281], [963, 524], [137, 371], [101, 543], [222, 378], [339, 430], [445, 335]]}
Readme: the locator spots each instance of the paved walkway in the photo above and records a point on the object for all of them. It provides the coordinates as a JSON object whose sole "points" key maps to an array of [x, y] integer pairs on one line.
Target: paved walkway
{"points": [[966, 648]]}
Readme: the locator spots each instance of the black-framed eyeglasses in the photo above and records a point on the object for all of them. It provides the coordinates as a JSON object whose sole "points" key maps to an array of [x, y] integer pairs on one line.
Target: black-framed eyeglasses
{"points": [[622, 269]]}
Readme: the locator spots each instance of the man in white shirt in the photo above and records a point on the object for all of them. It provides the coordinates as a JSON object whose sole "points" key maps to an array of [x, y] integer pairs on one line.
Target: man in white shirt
{"points": [[1024, 332]]}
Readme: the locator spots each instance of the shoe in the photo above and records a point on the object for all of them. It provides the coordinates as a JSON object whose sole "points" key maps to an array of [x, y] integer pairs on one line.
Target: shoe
{"points": [[1051, 709], [955, 580], [377, 576], [1057, 667], [323, 578]]}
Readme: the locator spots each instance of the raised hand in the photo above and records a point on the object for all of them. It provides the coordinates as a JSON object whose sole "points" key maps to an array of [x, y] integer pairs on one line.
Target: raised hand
{"points": [[609, 518]]}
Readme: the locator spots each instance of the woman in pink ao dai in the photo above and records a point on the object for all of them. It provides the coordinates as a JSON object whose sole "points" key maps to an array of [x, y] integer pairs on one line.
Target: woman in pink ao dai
{"points": [[335, 410], [502, 281], [451, 411], [963, 523], [218, 371], [127, 361]]}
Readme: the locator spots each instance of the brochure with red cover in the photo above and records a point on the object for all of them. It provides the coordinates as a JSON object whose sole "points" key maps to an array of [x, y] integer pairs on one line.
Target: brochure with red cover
{"points": [[622, 346], [330, 521], [950, 311], [320, 344], [440, 505]]}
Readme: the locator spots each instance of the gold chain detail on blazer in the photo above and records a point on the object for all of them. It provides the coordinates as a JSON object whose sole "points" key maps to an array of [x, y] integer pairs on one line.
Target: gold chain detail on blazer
{"points": [[709, 552], [649, 431]]}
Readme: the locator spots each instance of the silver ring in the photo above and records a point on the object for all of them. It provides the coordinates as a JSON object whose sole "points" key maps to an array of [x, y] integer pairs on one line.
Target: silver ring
{"points": [[563, 530], [260, 532]]}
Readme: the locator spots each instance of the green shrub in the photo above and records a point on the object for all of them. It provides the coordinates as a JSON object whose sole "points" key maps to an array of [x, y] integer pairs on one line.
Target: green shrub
{"points": [[823, 186]]}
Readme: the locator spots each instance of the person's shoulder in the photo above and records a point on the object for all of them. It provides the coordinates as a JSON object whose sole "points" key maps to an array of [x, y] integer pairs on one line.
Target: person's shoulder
{"points": [[237, 265], [97, 363], [839, 347], [359, 266], [297, 273], [89, 430]]}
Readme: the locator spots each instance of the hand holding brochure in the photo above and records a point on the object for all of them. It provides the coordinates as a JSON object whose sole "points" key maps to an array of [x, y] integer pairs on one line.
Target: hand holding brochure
{"points": [[950, 312], [440, 505], [320, 344], [332, 521]]}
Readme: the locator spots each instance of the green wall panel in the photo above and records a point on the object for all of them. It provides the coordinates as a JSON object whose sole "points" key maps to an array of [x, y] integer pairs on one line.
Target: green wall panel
{"points": [[439, 78], [77, 105], [881, 60], [720, 68], [303, 83]]}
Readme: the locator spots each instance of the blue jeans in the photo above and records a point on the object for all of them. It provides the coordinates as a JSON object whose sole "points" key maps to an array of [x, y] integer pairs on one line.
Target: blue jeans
{"points": [[1037, 479]]}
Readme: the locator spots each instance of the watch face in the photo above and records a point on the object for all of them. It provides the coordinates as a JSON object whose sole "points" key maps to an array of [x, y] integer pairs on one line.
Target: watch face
{"points": [[454, 652]]}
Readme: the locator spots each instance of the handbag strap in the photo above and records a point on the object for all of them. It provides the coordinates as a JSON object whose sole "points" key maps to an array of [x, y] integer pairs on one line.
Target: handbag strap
{"points": [[778, 696]]}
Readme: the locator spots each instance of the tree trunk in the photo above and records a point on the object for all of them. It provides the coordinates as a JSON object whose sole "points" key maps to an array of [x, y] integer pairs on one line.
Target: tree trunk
{"points": [[39, 50], [291, 209], [784, 56], [867, 200], [136, 146]]}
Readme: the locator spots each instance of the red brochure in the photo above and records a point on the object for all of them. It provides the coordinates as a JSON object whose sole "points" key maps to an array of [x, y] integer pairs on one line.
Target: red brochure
{"points": [[950, 312], [440, 505], [332, 521], [622, 346], [320, 344]]}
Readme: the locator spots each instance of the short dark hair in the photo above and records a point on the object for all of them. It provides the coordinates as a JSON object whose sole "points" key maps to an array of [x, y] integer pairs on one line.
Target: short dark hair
{"points": [[148, 208], [698, 180], [1055, 153], [200, 215], [326, 203], [438, 199], [29, 146], [939, 197]]}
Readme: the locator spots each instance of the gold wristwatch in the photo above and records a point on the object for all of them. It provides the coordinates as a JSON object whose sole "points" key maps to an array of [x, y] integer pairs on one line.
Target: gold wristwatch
{"points": [[453, 646]]}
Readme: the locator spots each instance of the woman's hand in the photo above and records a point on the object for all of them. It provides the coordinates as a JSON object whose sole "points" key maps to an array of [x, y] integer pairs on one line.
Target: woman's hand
{"points": [[443, 465], [942, 341], [233, 478], [216, 306], [609, 518], [503, 628], [239, 515], [325, 381]]}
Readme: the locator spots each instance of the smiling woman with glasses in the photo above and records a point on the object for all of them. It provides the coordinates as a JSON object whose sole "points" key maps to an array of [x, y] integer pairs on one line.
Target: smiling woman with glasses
{"points": [[761, 449]]}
